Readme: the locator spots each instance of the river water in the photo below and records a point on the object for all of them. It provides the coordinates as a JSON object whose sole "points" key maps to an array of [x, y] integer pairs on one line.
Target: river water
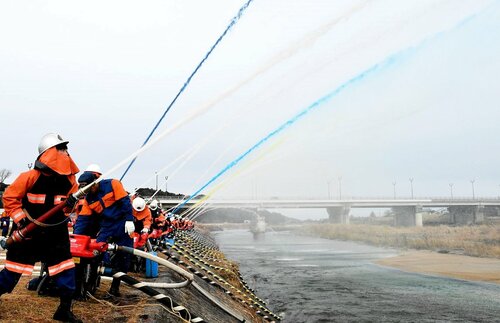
{"points": [[306, 279]]}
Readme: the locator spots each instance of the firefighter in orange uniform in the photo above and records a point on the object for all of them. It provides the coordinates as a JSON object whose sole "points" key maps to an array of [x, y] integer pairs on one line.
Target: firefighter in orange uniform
{"points": [[109, 204], [142, 216], [32, 194]]}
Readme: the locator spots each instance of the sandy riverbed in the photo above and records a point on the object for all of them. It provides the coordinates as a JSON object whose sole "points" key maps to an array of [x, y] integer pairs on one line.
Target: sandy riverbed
{"points": [[450, 265]]}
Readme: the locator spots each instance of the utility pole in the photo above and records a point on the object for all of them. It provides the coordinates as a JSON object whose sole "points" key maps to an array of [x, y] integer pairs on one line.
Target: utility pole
{"points": [[340, 187], [394, 189], [166, 188], [411, 187], [473, 193], [451, 190]]}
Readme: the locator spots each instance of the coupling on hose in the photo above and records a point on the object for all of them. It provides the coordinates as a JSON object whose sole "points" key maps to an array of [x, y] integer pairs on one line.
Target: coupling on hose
{"points": [[112, 247]]}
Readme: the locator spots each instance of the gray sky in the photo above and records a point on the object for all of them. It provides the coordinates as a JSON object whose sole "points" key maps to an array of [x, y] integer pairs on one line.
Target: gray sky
{"points": [[102, 73]]}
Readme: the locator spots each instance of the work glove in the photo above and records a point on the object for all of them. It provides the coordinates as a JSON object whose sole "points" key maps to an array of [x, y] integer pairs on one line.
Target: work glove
{"points": [[145, 230], [71, 201], [22, 223], [129, 227]]}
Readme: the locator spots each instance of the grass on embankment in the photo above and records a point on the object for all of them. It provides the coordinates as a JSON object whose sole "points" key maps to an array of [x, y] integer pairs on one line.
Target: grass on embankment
{"points": [[479, 241]]}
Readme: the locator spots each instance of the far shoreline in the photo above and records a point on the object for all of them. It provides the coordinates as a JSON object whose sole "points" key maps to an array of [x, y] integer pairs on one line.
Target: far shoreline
{"points": [[445, 265]]}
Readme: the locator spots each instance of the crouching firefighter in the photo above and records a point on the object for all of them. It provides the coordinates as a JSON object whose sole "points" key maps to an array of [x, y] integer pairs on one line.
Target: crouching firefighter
{"points": [[142, 216], [31, 195], [108, 203]]}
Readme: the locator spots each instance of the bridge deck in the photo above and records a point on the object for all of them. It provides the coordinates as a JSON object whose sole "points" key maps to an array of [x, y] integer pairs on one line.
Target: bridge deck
{"points": [[353, 203]]}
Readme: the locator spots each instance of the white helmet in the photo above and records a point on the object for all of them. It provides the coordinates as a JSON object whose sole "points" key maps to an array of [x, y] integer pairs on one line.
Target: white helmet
{"points": [[138, 204], [94, 168], [153, 205], [50, 140]]}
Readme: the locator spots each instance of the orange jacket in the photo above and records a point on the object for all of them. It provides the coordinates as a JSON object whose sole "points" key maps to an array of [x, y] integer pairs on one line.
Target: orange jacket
{"points": [[144, 216], [13, 196]]}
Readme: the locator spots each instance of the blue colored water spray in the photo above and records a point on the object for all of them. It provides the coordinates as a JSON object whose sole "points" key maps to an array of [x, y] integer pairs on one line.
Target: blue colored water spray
{"points": [[390, 60], [290, 122], [231, 24]]}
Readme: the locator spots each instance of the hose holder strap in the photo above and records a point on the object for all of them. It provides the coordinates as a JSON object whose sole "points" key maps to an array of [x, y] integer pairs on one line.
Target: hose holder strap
{"points": [[41, 224]]}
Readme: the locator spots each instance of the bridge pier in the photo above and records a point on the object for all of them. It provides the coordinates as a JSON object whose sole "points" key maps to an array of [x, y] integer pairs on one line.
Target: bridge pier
{"points": [[466, 214], [338, 214], [407, 216]]}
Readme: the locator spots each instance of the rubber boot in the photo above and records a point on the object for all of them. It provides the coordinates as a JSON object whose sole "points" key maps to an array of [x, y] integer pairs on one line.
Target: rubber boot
{"points": [[63, 312], [115, 287]]}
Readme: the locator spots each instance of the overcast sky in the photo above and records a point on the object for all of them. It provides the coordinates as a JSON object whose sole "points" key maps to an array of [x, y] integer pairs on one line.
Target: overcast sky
{"points": [[101, 73]]}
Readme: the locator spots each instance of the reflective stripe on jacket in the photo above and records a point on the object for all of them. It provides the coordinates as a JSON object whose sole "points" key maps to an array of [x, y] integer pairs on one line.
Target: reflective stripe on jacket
{"points": [[37, 193]]}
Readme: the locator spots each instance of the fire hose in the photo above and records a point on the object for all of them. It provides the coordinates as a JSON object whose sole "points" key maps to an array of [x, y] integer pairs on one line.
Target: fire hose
{"points": [[162, 298], [190, 277]]}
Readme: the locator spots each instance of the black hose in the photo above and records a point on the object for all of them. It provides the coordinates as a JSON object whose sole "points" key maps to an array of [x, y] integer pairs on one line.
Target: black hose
{"points": [[179, 310]]}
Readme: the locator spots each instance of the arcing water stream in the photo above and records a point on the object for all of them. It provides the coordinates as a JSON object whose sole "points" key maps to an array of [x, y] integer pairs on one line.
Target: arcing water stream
{"points": [[325, 99]]}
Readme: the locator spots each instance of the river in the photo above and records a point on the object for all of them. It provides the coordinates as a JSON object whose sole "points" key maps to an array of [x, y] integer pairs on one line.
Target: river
{"points": [[306, 279]]}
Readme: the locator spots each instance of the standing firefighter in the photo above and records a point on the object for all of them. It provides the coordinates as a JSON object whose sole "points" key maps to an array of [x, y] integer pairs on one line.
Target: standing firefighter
{"points": [[108, 201], [31, 195], [90, 225]]}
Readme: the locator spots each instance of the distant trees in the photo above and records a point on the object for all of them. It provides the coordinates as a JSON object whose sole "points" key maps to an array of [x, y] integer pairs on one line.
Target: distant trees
{"points": [[4, 174], [147, 192], [235, 215]]}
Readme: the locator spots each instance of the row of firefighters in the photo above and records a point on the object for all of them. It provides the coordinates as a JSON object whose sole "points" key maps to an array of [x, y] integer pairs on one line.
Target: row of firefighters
{"points": [[150, 222], [106, 213]]}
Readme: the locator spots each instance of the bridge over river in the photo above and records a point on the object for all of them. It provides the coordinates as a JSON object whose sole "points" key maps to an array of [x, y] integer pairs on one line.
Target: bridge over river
{"points": [[408, 212]]}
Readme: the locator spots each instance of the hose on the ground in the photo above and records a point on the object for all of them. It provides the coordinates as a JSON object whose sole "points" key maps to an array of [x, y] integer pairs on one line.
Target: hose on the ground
{"points": [[179, 310]]}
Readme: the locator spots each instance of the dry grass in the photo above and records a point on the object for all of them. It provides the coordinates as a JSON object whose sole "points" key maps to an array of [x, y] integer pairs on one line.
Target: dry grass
{"points": [[23, 305], [479, 241]]}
